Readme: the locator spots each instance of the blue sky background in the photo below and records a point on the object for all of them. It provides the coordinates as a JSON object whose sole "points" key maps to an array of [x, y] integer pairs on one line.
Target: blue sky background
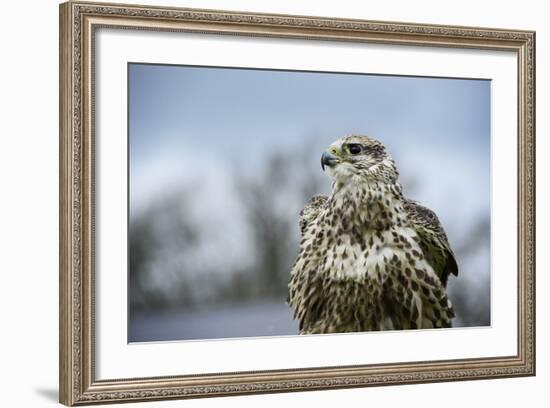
{"points": [[193, 128], [178, 115]]}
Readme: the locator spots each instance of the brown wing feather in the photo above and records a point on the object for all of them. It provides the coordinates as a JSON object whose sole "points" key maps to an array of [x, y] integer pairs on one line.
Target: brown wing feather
{"points": [[311, 211], [308, 214], [434, 240]]}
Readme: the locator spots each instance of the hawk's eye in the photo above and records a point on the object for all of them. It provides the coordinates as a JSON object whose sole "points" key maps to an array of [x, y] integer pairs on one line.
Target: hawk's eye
{"points": [[354, 148]]}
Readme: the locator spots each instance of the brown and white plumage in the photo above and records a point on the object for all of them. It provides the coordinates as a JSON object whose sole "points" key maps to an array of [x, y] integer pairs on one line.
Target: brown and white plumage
{"points": [[369, 258]]}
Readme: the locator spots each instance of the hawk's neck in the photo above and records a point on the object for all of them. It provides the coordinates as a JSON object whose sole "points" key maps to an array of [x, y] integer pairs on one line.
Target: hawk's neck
{"points": [[373, 205]]}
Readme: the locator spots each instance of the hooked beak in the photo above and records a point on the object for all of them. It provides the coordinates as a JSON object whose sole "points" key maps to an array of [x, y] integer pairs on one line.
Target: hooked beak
{"points": [[328, 159]]}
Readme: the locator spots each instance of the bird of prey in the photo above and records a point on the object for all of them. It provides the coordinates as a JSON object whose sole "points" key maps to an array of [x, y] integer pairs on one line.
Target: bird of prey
{"points": [[369, 258]]}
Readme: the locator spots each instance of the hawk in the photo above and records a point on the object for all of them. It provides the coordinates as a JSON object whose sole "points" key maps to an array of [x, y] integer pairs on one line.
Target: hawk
{"points": [[369, 258]]}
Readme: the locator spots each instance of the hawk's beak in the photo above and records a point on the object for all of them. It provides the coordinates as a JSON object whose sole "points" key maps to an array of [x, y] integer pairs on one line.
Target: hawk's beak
{"points": [[328, 159]]}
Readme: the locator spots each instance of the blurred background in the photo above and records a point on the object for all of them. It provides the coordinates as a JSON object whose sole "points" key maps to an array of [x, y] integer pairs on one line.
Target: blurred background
{"points": [[221, 161]]}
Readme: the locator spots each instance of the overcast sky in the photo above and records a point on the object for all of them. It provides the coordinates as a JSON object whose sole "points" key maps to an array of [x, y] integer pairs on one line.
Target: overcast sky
{"points": [[194, 123]]}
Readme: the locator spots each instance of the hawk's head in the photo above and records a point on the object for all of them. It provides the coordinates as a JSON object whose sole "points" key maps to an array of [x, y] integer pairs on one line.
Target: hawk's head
{"points": [[359, 159]]}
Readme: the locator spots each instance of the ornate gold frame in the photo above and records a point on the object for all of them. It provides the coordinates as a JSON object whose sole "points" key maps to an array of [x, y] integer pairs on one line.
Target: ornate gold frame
{"points": [[76, 347]]}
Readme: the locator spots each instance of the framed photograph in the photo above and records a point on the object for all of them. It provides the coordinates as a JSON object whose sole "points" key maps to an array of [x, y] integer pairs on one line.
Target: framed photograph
{"points": [[255, 203]]}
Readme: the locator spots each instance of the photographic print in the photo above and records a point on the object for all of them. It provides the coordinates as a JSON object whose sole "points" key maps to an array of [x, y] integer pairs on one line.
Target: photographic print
{"points": [[272, 202]]}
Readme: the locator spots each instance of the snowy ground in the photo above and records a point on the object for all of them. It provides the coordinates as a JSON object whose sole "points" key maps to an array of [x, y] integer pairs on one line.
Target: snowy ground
{"points": [[251, 320]]}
